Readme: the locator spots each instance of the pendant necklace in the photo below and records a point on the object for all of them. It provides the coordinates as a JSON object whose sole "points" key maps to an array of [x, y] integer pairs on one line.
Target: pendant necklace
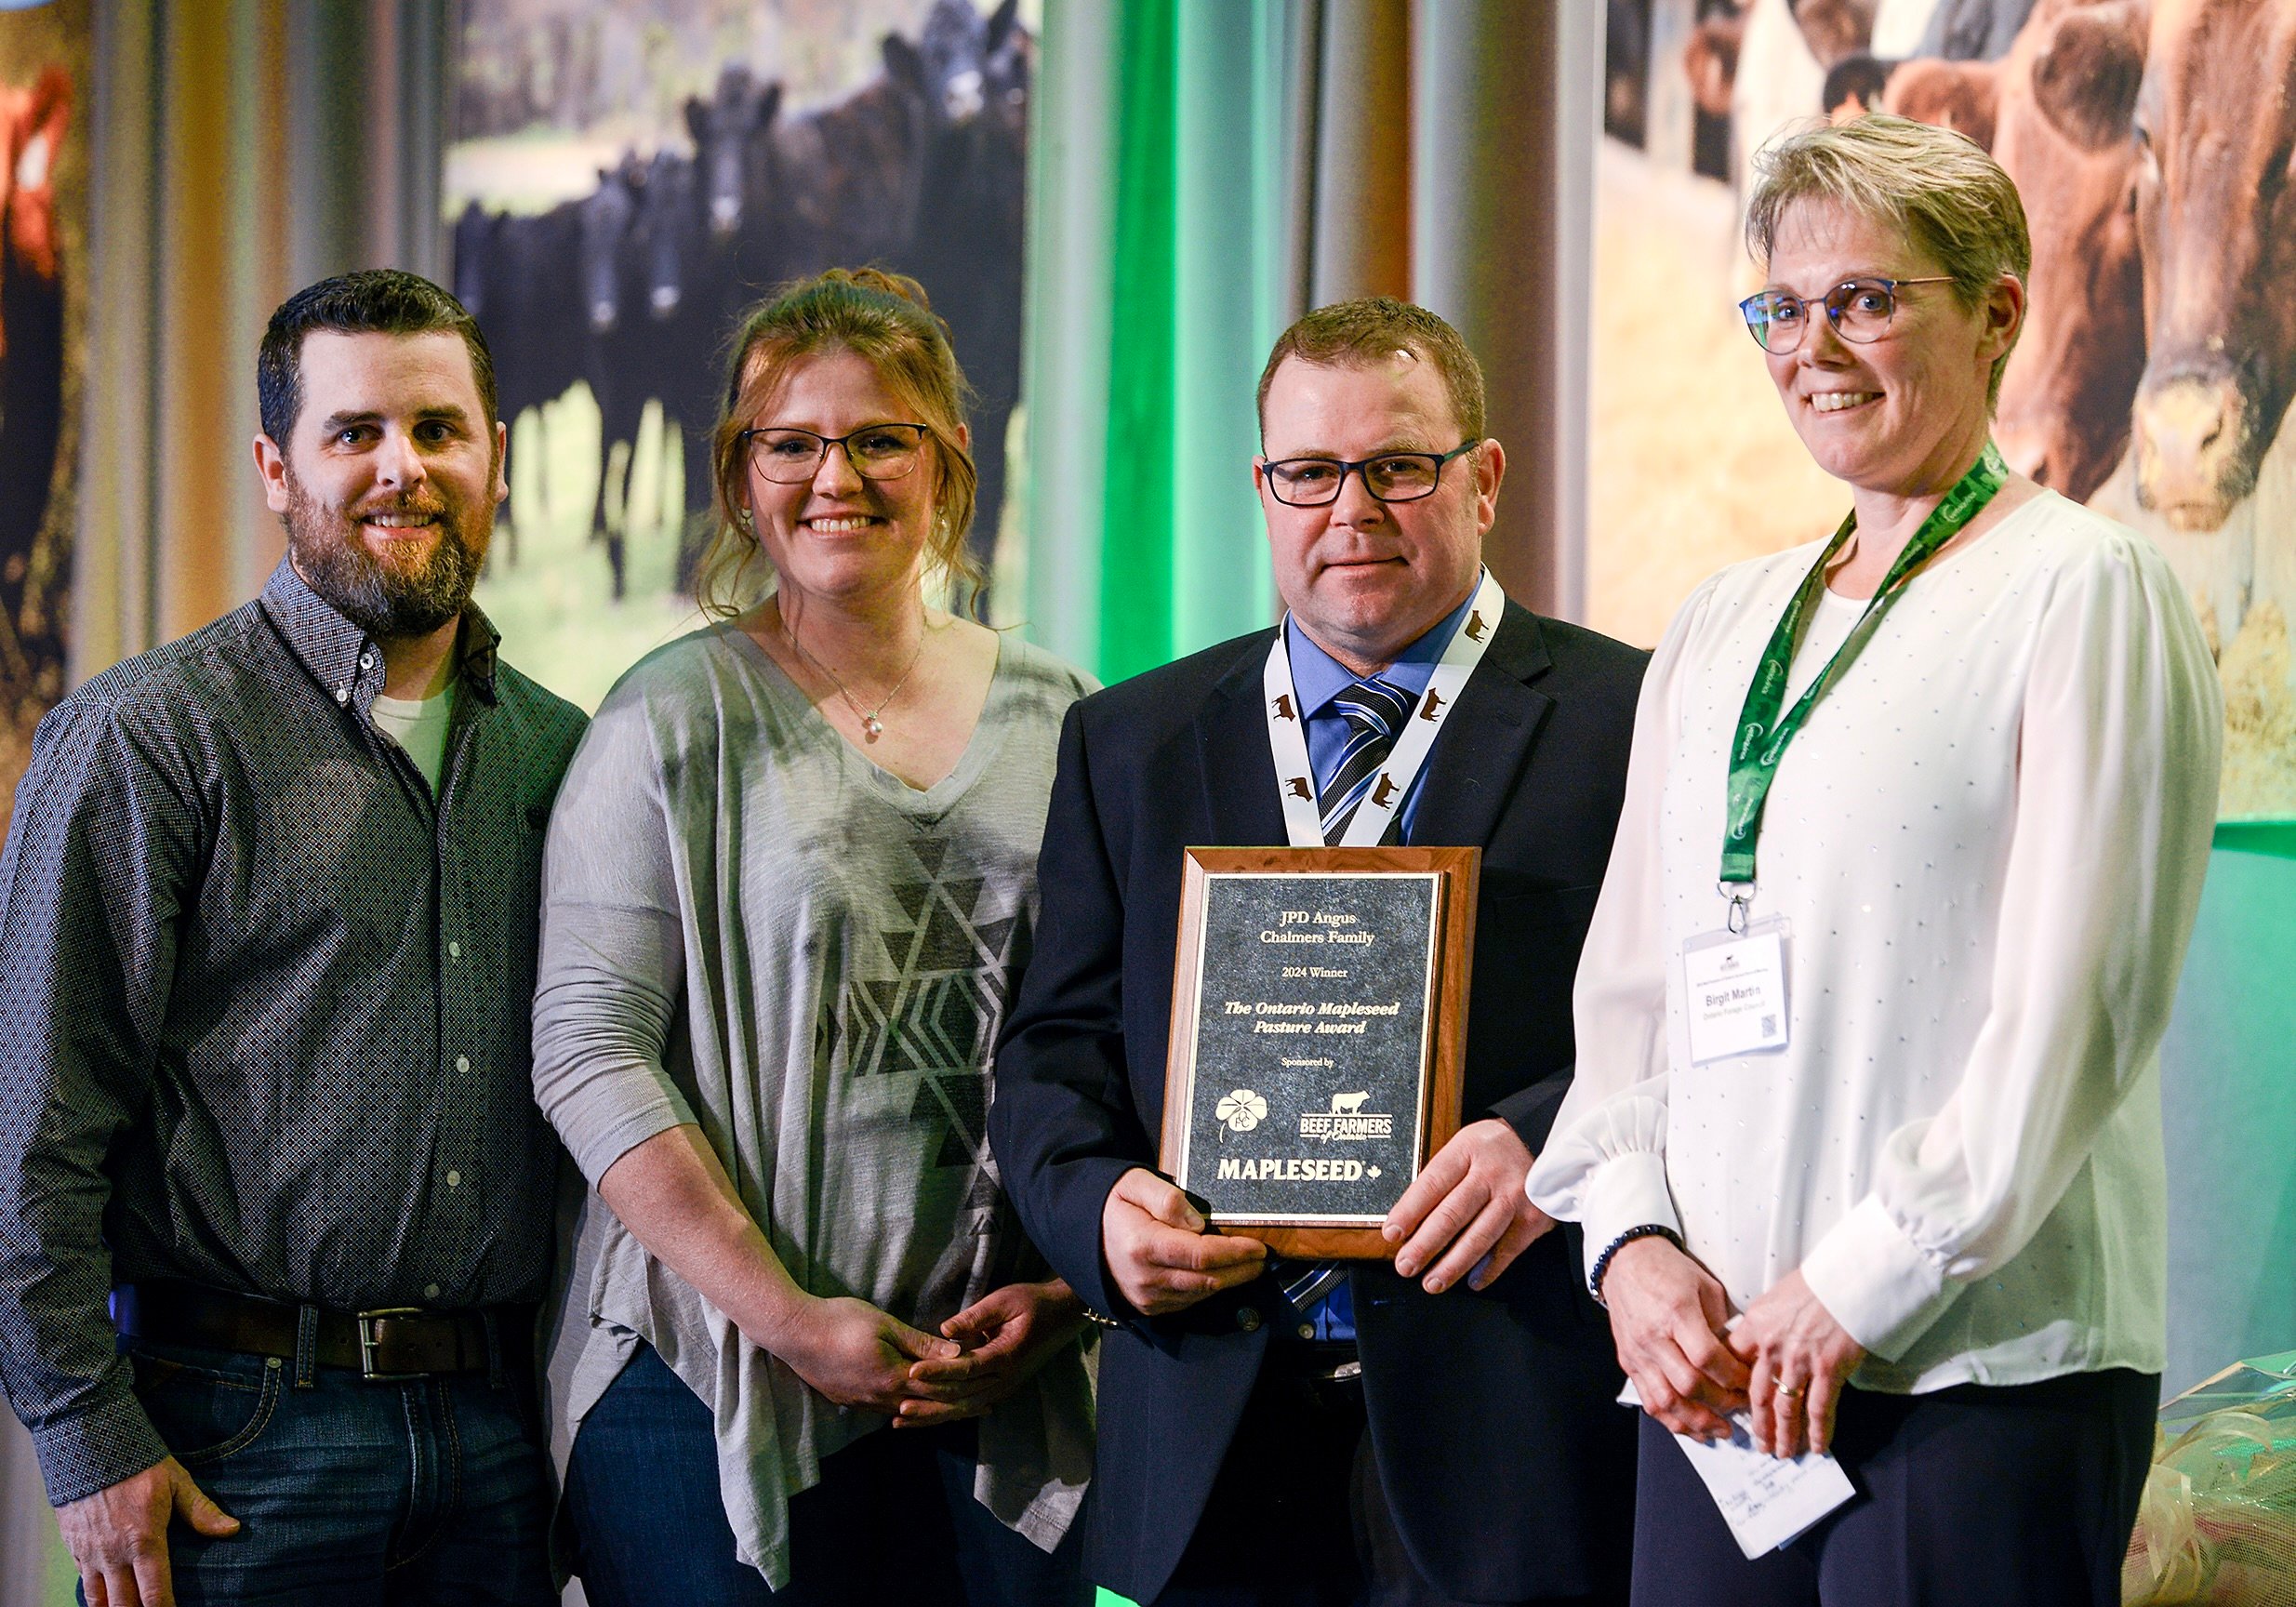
{"points": [[871, 726]]}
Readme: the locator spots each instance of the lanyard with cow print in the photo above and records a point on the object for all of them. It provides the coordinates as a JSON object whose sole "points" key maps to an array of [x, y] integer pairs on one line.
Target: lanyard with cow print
{"points": [[1295, 778]]}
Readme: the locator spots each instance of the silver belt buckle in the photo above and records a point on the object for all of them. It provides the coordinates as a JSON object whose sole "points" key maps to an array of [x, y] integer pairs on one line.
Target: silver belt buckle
{"points": [[368, 1343]]}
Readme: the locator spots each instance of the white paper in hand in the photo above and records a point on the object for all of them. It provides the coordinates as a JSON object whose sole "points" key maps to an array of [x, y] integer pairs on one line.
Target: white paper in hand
{"points": [[1765, 1500]]}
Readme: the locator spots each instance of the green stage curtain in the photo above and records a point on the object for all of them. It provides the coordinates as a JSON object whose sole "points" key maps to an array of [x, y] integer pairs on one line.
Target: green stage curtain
{"points": [[1202, 172], [1160, 274]]}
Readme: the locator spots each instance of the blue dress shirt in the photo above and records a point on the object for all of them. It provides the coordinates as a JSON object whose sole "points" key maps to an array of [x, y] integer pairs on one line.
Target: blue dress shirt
{"points": [[1317, 678]]}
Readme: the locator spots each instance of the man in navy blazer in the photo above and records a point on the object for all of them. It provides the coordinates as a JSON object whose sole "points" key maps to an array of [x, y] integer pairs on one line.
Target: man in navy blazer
{"points": [[1439, 1430]]}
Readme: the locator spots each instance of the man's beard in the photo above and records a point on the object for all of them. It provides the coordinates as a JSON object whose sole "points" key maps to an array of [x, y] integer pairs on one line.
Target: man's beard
{"points": [[385, 600]]}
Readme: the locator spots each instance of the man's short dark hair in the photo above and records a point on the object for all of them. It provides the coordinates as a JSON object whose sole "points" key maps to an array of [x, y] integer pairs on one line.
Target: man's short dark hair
{"points": [[1355, 334], [372, 301]]}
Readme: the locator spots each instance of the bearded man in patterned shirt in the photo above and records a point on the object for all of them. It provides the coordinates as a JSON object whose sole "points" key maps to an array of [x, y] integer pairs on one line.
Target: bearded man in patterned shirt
{"points": [[276, 1201]]}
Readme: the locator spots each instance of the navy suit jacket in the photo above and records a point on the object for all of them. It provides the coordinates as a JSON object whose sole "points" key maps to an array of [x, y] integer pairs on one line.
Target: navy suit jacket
{"points": [[1507, 1465]]}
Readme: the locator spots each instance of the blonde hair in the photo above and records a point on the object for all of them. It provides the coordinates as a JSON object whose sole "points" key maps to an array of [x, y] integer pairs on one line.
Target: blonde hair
{"points": [[886, 320], [1940, 190]]}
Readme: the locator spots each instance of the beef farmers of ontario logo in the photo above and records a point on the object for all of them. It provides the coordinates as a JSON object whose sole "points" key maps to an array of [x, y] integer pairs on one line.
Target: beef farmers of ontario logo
{"points": [[1346, 1120]]}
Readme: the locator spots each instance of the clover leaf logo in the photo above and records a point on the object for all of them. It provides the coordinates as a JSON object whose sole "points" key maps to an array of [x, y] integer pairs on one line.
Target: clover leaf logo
{"points": [[1242, 1110]]}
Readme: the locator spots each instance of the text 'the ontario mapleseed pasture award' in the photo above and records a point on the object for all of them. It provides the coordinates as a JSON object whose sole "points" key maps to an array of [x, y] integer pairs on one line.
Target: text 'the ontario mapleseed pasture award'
{"points": [[1319, 1022]]}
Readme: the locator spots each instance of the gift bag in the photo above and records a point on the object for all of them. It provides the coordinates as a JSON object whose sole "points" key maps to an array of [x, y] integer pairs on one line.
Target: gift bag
{"points": [[2217, 1525]]}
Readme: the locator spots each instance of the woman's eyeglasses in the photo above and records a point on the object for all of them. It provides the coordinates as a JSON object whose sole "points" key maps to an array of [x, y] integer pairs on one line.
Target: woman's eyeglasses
{"points": [[1860, 310], [793, 457]]}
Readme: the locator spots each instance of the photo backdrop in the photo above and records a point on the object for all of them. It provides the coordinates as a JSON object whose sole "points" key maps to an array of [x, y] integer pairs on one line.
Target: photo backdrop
{"points": [[45, 88], [2158, 356], [44, 63], [624, 179], [45, 56]]}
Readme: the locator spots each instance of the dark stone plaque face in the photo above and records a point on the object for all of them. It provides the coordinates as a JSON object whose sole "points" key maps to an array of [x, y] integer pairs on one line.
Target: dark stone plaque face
{"points": [[1312, 1034]]}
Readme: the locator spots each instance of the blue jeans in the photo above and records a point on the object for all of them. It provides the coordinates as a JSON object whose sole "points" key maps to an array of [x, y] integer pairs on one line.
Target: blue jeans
{"points": [[892, 1524], [350, 1494]]}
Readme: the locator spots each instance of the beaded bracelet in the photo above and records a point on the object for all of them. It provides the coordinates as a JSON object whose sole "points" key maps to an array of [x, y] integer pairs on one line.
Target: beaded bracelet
{"points": [[1602, 1262]]}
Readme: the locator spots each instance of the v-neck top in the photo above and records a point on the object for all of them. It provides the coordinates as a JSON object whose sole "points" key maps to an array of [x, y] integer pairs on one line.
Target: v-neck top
{"points": [[980, 752], [749, 926]]}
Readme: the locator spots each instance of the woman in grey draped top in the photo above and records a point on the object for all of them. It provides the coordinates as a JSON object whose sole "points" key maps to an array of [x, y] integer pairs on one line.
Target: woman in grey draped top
{"points": [[805, 1354]]}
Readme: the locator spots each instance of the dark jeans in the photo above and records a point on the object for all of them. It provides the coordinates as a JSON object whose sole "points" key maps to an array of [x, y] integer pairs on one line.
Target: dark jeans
{"points": [[2019, 1497], [892, 1520], [350, 1493]]}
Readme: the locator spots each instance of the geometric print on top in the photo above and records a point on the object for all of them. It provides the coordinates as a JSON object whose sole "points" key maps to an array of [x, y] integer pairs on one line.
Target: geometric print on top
{"points": [[934, 1002]]}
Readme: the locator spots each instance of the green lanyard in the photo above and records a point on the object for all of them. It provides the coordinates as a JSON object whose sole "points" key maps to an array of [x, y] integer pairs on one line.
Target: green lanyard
{"points": [[1762, 735]]}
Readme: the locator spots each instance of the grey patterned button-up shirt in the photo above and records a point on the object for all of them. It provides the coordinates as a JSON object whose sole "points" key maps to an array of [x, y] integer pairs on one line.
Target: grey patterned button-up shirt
{"points": [[264, 1002]]}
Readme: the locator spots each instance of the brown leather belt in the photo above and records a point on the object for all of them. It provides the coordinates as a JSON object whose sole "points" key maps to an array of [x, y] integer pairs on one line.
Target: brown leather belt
{"points": [[397, 1343]]}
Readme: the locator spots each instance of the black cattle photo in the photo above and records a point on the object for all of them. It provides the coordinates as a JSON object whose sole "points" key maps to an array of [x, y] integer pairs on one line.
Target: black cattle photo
{"points": [[615, 205]]}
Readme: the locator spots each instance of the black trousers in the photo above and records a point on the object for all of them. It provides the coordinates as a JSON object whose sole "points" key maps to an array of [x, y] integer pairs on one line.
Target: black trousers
{"points": [[1297, 1516], [2020, 1496]]}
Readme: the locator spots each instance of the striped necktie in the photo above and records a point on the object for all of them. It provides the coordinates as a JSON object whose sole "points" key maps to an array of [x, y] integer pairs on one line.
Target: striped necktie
{"points": [[1374, 710]]}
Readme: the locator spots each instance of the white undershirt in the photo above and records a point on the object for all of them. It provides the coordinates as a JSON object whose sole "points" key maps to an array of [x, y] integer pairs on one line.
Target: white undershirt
{"points": [[418, 727], [1989, 843]]}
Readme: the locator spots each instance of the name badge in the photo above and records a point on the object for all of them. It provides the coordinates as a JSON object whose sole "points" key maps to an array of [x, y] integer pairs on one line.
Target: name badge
{"points": [[1734, 990]]}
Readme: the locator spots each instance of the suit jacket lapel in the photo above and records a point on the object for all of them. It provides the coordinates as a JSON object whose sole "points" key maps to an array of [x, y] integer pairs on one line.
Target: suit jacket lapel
{"points": [[1238, 770], [1471, 774]]}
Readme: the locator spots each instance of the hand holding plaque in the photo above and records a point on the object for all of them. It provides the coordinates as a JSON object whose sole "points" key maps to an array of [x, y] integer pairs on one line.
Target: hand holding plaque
{"points": [[1465, 1217], [1160, 1253], [1318, 1029]]}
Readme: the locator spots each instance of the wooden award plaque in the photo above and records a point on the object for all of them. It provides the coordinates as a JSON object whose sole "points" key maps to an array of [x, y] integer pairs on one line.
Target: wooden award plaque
{"points": [[1318, 1027]]}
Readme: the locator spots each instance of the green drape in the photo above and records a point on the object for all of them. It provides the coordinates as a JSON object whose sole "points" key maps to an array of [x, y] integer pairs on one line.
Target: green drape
{"points": [[1157, 274], [1136, 601]]}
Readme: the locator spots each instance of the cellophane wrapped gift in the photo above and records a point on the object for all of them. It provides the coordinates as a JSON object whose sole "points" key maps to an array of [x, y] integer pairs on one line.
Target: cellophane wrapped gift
{"points": [[2217, 1526]]}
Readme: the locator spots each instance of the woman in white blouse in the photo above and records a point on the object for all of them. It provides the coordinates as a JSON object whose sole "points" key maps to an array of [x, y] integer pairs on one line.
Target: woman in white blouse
{"points": [[1865, 1131]]}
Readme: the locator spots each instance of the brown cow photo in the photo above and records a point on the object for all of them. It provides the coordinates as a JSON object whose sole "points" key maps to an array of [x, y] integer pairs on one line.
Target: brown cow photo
{"points": [[2151, 145]]}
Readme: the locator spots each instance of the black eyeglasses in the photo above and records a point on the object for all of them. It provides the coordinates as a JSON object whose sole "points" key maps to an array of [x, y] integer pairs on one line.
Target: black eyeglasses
{"points": [[1389, 477], [793, 457], [1860, 310]]}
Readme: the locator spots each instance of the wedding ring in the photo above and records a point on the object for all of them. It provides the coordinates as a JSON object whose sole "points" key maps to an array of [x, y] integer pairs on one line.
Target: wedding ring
{"points": [[1789, 1390]]}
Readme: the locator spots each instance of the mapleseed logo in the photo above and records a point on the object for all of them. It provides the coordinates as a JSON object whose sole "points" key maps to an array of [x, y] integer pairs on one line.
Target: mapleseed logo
{"points": [[1346, 1120]]}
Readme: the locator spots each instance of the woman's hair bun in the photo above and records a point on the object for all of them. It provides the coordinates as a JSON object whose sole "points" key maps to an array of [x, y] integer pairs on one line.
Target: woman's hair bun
{"points": [[881, 280]]}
